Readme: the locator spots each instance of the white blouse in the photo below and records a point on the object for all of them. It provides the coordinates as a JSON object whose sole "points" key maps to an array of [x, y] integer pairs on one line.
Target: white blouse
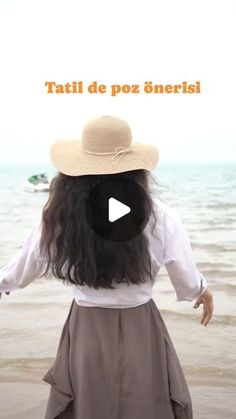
{"points": [[169, 245]]}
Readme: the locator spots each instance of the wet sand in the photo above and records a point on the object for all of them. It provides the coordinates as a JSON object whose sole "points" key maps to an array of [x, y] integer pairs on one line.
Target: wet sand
{"points": [[213, 396], [30, 332]]}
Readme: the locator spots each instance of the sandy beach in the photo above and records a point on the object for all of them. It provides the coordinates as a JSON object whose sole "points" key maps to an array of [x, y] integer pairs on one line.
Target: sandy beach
{"points": [[31, 322]]}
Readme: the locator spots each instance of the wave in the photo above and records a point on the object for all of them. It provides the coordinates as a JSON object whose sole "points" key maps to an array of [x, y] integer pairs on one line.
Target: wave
{"points": [[221, 205], [230, 287], [218, 273], [213, 228], [215, 265], [216, 318], [214, 247]]}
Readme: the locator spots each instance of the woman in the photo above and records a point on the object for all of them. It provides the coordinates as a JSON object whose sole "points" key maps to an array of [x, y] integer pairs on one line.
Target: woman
{"points": [[115, 358]]}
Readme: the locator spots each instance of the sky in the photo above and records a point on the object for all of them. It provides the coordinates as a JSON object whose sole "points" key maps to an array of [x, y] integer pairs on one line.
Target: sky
{"points": [[125, 42]]}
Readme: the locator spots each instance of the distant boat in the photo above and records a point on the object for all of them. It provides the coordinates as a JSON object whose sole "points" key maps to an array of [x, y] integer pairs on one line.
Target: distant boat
{"points": [[37, 183]]}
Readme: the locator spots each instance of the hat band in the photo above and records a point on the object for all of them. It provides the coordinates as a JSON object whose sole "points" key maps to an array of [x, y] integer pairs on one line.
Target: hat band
{"points": [[118, 152]]}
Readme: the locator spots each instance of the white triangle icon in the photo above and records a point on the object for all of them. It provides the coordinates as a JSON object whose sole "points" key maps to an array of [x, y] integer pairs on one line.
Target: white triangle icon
{"points": [[116, 210]]}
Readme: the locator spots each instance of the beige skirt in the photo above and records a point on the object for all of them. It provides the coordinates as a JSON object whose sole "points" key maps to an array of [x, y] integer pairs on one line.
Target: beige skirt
{"points": [[116, 364]]}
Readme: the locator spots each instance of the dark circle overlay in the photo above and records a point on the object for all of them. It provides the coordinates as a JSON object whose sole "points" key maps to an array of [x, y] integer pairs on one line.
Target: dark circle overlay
{"points": [[128, 193]]}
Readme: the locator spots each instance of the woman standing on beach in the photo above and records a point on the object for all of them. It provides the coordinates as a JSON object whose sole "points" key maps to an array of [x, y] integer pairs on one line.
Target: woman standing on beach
{"points": [[103, 233]]}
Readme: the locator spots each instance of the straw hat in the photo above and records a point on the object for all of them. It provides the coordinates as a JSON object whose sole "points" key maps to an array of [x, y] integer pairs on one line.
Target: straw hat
{"points": [[106, 147]]}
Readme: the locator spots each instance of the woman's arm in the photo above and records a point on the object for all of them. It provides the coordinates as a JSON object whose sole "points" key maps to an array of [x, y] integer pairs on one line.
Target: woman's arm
{"points": [[178, 259], [26, 265]]}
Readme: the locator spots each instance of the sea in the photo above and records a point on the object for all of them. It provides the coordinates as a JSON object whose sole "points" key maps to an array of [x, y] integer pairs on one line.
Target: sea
{"points": [[204, 195]]}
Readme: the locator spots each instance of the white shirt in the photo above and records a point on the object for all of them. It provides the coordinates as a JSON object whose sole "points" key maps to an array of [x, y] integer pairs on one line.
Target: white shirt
{"points": [[169, 246]]}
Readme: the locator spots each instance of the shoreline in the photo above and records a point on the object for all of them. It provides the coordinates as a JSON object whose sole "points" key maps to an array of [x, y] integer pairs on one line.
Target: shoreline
{"points": [[31, 370], [212, 394]]}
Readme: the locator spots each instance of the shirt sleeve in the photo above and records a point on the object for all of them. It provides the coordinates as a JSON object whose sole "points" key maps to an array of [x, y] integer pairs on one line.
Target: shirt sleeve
{"points": [[26, 265], [178, 259]]}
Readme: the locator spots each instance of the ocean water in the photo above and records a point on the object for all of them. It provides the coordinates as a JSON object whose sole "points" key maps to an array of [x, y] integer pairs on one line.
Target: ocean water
{"points": [[203, 195]]}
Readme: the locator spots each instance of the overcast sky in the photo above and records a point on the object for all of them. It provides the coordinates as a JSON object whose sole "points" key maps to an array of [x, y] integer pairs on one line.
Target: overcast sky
{"points": [[127, 42]]}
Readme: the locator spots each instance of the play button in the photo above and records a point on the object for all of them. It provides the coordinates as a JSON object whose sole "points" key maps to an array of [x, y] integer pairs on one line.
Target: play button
{"points": [[117, 208]]}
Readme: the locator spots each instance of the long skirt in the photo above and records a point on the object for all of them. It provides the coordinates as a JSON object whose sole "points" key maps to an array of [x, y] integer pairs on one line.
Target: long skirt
{"points": [[116, 363]]}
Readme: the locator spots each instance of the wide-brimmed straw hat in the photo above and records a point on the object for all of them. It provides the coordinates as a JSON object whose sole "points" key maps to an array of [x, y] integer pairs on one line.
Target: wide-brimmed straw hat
{"points": [[105, 147]]}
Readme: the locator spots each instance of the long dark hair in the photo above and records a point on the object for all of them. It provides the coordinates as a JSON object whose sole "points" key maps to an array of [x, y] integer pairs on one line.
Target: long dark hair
{"points": [[74, 252]]}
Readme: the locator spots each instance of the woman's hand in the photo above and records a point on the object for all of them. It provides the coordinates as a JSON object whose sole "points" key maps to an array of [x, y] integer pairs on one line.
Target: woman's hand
{"points": [[207, 300], [8, 292]]}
